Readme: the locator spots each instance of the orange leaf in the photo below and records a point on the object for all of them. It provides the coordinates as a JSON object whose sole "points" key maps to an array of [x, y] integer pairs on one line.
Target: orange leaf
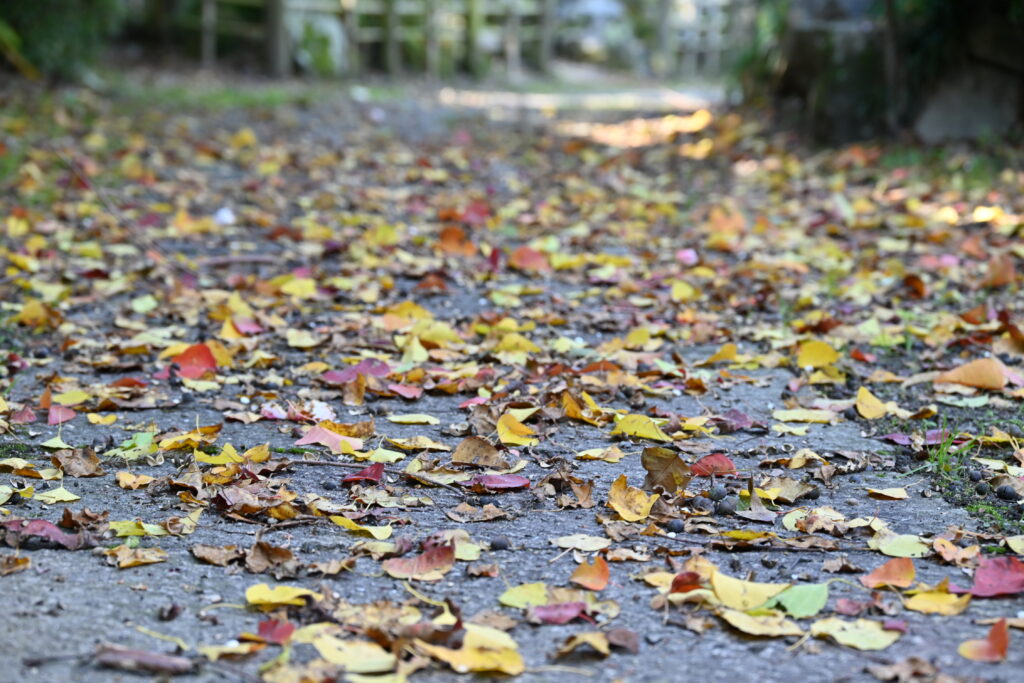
{"points": [[527, 259], [195, 361], [898, 572], [992, 648], [591, 576], [984, 373]]}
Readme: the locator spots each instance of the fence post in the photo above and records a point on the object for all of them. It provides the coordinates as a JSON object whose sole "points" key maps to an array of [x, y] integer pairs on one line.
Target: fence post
{"points": [[208, 50], [474, 26], [392, 39], [432, 45], [665, 48], [350, 20], [513, 40], [548, 18], [277, 38]]}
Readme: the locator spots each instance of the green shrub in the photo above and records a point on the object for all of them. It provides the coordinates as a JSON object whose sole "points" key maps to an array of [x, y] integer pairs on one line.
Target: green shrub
{"points": [[60, 38]]}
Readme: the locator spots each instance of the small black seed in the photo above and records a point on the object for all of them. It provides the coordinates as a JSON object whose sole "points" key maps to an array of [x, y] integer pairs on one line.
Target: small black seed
{"points": [[1007, 492], [813, 494], [726, 506], [717, 492], [983, 489], [851, 413], [675, 525], [974, 475], [331, 485], [500, 543]]}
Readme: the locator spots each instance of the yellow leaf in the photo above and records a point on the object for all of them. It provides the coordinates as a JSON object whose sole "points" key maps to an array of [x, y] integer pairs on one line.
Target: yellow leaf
{"points": [[57, 495], [127, 480], [419, 443], [513, 341], [300, 288], [641, 427], [869, 406], [525, 595], [483, 649], [71, 398], [816, 354], [804, 415], [97, 419], [888, 494], [612, 454], [631, 503], [379, 532], [939, 602], [126, 557], [862, 634], [763, 625], [355, 656], [301, 339], [267, 598], [743, 595], [227, 455], [727, 352], [512, 432]]}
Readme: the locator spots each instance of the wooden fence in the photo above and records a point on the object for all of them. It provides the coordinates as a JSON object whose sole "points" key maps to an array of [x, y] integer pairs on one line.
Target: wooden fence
{"points": [[693, 38]]}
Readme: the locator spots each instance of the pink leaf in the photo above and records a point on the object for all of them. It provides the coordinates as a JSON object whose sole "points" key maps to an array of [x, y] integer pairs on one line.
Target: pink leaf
{"points": [[714, 463]]}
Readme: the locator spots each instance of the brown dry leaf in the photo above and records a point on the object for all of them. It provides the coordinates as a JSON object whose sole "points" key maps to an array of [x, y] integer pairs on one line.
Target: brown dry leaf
{"points": [[478, 452], [464, 512], [80, 462], [219, 555], [596, 640], [665, 470], [12, 564], [280, 561]]}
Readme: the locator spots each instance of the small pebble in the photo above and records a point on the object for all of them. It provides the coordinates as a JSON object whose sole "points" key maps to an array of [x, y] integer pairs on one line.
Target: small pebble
{"points": [[850, 413], [1007, 492], [983, 489], [331, 485], [726, 506], [500, 543], [813, 494], [701, 503], [769, 562], [717, 492], [653, 638], [308, 547], [974, 475]]}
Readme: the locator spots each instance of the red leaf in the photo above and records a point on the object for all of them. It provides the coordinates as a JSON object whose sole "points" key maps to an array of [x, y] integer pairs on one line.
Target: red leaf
{"points": [[559, 613], [998, 576], [372, 473], [325, 437], [406, 390], [59, 415], [275, 631], [714, 463], [497, 482], [18, 530], [24, 416], [684, 582], [195, 361], [428, 565], [367, 366], [129, 382]]}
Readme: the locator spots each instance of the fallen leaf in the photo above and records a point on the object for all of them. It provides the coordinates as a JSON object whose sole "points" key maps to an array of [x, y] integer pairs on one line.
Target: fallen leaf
{"points": [[896, 573], [991, 648], [631, 503], [592, 576], [863, 634]]}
